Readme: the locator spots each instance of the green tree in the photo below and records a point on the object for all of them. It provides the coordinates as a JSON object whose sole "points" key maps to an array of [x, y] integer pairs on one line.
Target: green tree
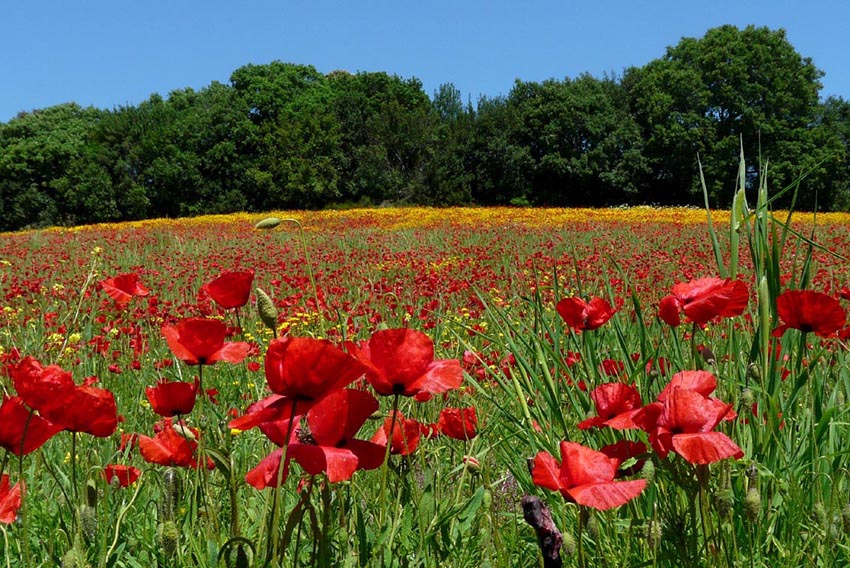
{"points": [[706, 96], [37, 153]]}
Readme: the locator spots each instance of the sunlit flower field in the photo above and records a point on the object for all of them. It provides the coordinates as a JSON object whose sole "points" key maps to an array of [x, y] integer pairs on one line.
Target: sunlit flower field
{"points": [[428, 387]]}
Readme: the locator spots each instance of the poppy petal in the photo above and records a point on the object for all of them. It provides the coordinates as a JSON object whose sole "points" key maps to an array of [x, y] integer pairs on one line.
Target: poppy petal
{"points": [[608, 495], [706, 447]]}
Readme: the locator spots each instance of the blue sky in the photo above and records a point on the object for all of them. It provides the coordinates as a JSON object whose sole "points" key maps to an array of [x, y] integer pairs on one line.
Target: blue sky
{"points": [[119, 52]]}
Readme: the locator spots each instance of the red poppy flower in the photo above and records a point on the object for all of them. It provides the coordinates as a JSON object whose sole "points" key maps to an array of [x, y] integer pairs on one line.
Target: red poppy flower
{"points": [[170, 399], [123, 287], [584, 476], [231, 289], [168, 448], [807, 311], [85, 409], [200, 341], [581, 316], [328, 444], [302, 371], [22, 431], [39, 386], [844, 293], [406, 434], [458, 423], [684, 423], [125, 475], [615, 404], [10, 500], [401, 362], [702, 382], [703, 300]]}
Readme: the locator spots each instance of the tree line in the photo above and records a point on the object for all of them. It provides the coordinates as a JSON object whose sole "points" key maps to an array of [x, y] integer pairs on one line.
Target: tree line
{"points": [[282, 136]]}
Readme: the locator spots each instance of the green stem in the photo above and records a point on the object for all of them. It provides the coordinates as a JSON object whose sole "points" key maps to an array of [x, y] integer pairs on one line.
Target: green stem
{"points": [[277, 497], [385, 465]]}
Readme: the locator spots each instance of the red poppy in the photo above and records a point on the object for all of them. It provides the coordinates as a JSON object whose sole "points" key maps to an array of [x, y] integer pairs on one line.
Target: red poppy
{"points": [[584, 316], [684, 423], [615, 404], [40, 386], [401, 362], [328, 444], [125, 475], [406, 433], [807, 311], [85, 409], [170, 399], [844, 293], [302, 371], [702, 382], [123, 287], [10, 500], [231, 289], [22, 431], [703, 300], [458, 423], [200, 341], [584, 476], [168, 448]]}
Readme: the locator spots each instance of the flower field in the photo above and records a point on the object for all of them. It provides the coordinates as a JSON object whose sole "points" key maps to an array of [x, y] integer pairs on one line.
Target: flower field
{"points": [[428, 387]]}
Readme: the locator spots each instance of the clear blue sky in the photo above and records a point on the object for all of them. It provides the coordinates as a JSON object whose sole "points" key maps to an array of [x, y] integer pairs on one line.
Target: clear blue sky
{"points": [[118, 52]]}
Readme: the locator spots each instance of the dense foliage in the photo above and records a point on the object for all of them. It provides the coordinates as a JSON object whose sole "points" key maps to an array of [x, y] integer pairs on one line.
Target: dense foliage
{"points": [[286, 136]]}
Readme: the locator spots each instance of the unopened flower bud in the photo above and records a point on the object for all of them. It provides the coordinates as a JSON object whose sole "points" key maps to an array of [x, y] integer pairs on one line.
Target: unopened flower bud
{"points": [[723, 502], [266, 309], [168, 536], [654, 533], [753, 372], [268, 223], [88, 522], [647, 472], [747, 399], [752, 504]]}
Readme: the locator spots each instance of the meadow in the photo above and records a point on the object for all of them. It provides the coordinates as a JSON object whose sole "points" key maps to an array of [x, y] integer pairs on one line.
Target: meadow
{"points": [[383, 387]]}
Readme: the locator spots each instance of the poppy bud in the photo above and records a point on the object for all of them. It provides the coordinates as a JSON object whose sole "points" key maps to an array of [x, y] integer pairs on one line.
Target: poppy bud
{"points": [[568, 546], [268, 223], [171, 493], [753, 372], [266, 309], [654, 533], [647, 472], [91, 493], [168, 536], [723, 502], [75, 557], [752, 504], [88, 522], [747, 400]]}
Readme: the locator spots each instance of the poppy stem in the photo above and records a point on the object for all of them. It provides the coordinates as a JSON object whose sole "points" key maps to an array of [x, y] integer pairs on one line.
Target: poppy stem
{"points": [[277, 497], [385, 465]]}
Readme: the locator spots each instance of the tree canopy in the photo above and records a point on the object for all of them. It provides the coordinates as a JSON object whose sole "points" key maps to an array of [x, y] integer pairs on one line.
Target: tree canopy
{"points": [[283, 135]]}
